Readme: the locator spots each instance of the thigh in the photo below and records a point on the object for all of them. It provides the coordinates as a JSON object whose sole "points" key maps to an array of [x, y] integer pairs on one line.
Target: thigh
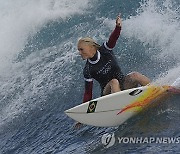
{"points": [[106, 90], [112, 87], [130, 82]]}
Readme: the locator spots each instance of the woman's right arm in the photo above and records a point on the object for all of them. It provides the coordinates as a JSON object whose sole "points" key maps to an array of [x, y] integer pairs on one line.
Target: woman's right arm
{"points": [[88, 91], [87, 97]]}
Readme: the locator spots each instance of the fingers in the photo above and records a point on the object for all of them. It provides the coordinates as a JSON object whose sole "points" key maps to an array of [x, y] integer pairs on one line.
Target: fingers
{"points": [[118, 21]]}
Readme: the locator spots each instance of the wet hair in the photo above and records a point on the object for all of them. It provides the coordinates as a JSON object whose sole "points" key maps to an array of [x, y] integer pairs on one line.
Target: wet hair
{"points": [[89, 41]]}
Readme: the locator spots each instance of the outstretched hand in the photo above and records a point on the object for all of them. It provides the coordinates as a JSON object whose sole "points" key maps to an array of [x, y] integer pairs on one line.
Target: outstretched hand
{"points": [[118, 21]]}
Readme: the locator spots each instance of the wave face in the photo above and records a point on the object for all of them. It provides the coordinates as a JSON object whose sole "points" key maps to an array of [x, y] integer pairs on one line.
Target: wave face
{"points": [[41, 71]]}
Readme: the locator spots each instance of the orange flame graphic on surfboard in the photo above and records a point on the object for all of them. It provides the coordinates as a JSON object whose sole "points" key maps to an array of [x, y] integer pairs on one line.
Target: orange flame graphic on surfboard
{"points": [[148, 96]]}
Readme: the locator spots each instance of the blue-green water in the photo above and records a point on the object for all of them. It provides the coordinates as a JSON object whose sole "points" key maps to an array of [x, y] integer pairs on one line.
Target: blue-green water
{"points": [[41, 72]]}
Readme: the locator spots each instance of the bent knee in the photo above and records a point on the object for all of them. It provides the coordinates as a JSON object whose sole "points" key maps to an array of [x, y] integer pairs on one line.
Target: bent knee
{"points": [[133, 75], [114, 82]]}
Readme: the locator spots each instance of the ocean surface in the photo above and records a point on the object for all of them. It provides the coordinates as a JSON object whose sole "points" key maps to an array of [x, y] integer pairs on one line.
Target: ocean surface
{"points": [[41, 73]]}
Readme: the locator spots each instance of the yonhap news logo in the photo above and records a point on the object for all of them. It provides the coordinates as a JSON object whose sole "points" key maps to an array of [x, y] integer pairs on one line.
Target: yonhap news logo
{"points": [[108, 140]]}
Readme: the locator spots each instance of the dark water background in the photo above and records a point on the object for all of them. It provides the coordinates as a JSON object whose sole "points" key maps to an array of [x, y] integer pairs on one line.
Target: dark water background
{"points": [[41, 72]]}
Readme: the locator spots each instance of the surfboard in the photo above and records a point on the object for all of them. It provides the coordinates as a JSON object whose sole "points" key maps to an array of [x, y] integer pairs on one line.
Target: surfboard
{"points": [[114, 109]]}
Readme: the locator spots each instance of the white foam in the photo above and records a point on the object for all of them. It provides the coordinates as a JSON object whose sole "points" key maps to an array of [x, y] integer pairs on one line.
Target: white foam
{"points": [[22, 19], [32, 78], [157, 26], [177, 83], [170, 77]]}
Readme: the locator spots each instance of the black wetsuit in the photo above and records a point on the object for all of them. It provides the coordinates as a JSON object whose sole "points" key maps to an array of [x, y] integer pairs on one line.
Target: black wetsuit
{"points": [[104, 68]]}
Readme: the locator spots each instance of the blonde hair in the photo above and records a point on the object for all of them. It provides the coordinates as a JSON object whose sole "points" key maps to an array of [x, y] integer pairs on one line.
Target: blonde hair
{"points": [[89, 41]]}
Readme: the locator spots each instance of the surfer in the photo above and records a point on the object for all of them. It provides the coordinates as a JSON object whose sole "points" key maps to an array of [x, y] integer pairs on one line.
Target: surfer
{"points": [[102, 66]]}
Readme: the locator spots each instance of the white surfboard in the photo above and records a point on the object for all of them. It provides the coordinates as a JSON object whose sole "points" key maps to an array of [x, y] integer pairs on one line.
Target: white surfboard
{"points": [[116, 108]]}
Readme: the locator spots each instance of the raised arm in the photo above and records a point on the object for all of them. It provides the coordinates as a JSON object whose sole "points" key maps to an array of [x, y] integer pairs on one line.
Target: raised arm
{"points": [[115, 34]]}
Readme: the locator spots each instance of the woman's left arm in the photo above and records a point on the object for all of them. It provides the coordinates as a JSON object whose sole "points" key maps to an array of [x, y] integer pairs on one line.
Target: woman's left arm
{"points": [[115, 34]]}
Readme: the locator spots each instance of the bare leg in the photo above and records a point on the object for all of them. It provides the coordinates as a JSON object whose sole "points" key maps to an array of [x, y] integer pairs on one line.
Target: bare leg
{"points": [[112, 87], [134, 79]]}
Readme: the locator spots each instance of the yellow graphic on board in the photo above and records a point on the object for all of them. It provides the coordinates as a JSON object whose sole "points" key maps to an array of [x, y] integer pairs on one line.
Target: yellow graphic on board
{"points": [[148, 96]]}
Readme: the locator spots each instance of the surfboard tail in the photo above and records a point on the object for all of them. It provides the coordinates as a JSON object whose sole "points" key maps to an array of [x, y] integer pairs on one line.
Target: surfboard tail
{"points": [[176, 83], [175, 87], [174, 90]]}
